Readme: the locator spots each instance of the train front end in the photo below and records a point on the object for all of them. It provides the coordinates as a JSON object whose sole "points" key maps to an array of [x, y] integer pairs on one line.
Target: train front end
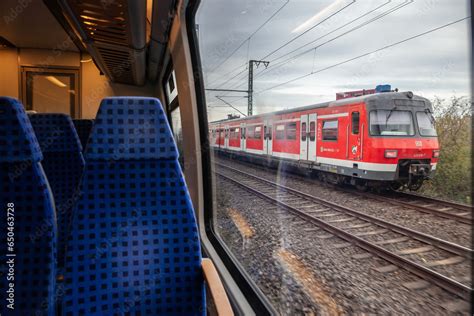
{"points": [[402, 138]]}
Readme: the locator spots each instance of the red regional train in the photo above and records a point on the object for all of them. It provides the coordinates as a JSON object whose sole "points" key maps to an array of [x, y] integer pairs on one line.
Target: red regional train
{"points": [[382, 139]]}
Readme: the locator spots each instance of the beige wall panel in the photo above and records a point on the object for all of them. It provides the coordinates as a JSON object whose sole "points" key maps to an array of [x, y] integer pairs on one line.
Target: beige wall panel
{"points": [[9, 73]]}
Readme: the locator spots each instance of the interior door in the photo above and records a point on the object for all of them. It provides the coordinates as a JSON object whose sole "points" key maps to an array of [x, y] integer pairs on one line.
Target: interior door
{"points": [[303, 137], [312, 127]]}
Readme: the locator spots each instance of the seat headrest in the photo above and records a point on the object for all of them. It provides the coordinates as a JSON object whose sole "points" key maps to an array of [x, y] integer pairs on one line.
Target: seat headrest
{"points": [[17, 138], [131, 128], [55, 132]]}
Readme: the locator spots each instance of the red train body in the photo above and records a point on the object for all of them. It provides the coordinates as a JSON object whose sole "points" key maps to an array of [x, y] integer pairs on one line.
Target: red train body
{"points": [[378, 138]]}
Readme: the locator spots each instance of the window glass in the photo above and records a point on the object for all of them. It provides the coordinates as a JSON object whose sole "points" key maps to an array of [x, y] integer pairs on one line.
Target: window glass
{"points": [[270, 133], [291, 131], [280, 132], [391, 123], [426, 124], [177, 128], [250, 132], [330, 130], [312, 131], [303, 131], [355, 123], [258, 132]]}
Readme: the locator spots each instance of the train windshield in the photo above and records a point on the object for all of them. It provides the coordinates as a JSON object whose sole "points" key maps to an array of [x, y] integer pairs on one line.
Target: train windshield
{"points": [[426, 124], [391, 123]]}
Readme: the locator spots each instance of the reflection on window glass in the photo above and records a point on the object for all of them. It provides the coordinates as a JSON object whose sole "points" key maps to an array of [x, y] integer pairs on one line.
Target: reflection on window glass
{"points": [[178, 133], [312, 84]]}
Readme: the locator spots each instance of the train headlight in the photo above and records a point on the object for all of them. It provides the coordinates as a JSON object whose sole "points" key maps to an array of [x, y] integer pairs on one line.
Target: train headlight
{"points": [[435, 153], [390, 153]]}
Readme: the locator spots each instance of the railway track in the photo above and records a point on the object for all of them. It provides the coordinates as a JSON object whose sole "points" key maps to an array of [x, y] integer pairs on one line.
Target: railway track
{"points": [[458, 212], [365, 231]]}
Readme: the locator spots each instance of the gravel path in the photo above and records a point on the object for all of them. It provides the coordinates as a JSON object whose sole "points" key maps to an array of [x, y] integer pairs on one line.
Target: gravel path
{"points": [[429, 224], [304, 270]]}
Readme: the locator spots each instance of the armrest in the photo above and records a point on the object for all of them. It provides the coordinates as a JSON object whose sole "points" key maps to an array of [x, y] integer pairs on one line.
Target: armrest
{"points": [[216, 288]]}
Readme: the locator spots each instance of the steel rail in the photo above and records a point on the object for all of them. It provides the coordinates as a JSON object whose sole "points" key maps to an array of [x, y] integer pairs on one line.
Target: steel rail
{"points": [[444, 282]]}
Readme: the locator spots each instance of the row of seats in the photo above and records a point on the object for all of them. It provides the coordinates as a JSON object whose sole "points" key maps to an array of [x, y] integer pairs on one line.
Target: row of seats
{"points": [[119, 236]]}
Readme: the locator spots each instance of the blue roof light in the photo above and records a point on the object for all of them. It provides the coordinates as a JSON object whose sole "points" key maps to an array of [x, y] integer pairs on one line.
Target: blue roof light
{"points": [[383, 88]]}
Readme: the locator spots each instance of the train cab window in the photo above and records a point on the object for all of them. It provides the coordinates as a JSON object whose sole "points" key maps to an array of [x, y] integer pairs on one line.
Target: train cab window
{"points": [[280, 132], [291, 131], [426, 125], [312, 131], [391, 123], [330, 130], [355, 123], [303, 131]]}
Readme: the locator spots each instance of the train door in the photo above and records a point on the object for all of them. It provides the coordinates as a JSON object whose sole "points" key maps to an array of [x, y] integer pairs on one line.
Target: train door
{"points": [[242, 137], [353, 139], [226, 135], [269, 141], [311, 136], [304, 137]]}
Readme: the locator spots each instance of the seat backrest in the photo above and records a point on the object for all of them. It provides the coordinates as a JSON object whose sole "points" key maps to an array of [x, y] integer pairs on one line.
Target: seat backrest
{"points": [[63, 164], [28, 222], [83, 128], [134, 246]]}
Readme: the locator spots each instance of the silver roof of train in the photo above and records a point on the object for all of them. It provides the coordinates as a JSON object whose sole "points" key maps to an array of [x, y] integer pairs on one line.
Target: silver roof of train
{"points": [[368, 98]]}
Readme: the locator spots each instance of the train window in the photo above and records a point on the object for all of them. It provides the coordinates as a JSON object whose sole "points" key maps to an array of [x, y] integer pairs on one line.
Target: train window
{"points": [[51, 90], [391, 123], [226, 133], [330, 130], [270, 133], [303, 131], [426, 125], [280, 132], [291, 131], [355, 123], [250, 132], [312, 131], [258, 132]]}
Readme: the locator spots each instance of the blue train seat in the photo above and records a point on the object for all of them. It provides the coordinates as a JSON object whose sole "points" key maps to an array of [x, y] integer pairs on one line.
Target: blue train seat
{"points": [[63, 164], [83, 128], [29, 262], [134, 247]]}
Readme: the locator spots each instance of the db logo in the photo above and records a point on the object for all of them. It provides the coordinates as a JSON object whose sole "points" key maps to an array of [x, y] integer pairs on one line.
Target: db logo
{"points": [[354, 150], [418, 143]]}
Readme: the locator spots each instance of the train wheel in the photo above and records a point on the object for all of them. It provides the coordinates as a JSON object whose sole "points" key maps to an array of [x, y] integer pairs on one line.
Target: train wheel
{"points": [[361, 186]]}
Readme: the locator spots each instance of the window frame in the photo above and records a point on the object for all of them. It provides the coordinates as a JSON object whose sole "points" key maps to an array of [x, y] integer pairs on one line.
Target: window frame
{"points": [[418, 125], [394, 136], [337, 130]]}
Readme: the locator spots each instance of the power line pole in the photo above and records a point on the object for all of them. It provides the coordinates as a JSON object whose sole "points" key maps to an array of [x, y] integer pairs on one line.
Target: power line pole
{"points": [[250, 89]]}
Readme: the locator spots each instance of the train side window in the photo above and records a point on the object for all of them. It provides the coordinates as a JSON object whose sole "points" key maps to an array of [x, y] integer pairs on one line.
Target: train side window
{"points": [[258, 132], [226, 133], [330, 130], [312, 131], [303, 131], [270, 134], [280, 132], [355, 123], [291, 131]]}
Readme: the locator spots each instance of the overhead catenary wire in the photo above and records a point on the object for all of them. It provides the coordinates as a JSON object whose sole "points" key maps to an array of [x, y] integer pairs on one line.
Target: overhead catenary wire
{"points": [[273, 66], [250, 36], [363, 55]]}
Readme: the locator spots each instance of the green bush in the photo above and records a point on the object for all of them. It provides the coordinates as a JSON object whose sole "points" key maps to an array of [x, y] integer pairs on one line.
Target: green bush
{"points": [[453, 175]]}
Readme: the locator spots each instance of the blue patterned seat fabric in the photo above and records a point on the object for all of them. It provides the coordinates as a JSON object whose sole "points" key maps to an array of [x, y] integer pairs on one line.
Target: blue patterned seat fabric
{"points": [[83, 128], [134, 247], [63, 164], [23, 183]]}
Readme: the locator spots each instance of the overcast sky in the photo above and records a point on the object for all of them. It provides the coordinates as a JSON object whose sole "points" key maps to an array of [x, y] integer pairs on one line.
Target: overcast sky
{"points": [[436, 64]]}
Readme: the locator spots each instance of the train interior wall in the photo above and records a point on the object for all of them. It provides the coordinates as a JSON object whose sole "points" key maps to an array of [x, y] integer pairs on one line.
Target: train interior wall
{"points": [[93, 86]]}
